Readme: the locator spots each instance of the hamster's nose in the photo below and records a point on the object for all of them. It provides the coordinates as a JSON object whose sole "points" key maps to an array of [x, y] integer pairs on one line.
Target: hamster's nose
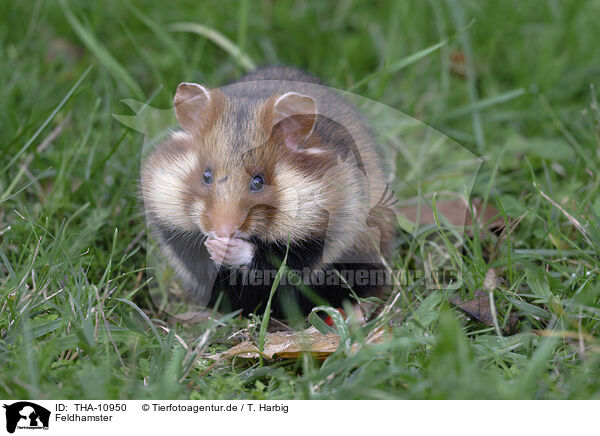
{"points": [[225, 221], [224, 230]]}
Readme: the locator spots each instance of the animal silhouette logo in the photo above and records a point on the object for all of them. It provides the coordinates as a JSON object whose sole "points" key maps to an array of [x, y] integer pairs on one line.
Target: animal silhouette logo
{"points": [[26, 415]]}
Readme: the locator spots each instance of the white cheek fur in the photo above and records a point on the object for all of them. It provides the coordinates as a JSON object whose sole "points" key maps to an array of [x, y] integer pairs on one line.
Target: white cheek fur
{"points": [[181, 135], [197, 210], [163, 187], [300, 199]]}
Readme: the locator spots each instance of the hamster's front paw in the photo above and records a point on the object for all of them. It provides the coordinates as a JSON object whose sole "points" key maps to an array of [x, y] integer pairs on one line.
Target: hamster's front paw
{"points": [[230, 251]]}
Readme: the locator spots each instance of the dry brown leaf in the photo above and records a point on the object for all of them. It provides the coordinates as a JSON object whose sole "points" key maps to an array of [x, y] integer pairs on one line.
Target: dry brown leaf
{"points": [[458, 63], [290, 345], [456, 212], [479, 309]]}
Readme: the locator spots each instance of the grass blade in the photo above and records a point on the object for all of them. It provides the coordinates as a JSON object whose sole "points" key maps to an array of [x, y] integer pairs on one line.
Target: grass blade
{"points": [[219, 39], [50, 118], [479, 105], [143, 315], [267, 314], [465, 42], [103, 55], [408, 60]]}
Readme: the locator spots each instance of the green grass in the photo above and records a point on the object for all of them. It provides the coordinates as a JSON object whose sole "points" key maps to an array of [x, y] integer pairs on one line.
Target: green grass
{"points": [[76, 320]]}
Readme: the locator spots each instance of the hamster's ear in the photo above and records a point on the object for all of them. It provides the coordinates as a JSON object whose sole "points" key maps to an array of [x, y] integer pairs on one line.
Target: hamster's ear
{"points": [[295, 114], [192, 106]]}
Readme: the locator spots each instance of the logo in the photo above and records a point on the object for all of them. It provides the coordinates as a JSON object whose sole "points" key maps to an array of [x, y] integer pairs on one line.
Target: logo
{"points": [[26, 415]]}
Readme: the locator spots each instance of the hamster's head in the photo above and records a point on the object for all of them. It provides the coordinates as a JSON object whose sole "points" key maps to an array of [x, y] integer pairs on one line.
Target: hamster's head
{"points": [[242, 167]]}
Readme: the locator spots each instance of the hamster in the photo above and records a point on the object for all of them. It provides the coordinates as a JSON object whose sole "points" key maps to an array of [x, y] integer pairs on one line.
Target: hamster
{"points": [[273, 165]]}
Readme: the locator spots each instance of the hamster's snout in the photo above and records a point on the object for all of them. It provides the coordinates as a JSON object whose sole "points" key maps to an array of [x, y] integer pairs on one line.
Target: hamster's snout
{"points": [[225, 221]]}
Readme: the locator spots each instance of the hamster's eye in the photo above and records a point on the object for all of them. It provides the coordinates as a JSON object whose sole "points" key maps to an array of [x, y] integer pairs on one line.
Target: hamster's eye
{"points": [[207, 176], [257, 183]]}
